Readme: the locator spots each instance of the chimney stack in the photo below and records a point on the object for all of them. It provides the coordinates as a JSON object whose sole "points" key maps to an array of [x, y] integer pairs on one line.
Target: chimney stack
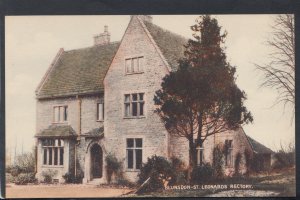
{"points": [[102, 38]]}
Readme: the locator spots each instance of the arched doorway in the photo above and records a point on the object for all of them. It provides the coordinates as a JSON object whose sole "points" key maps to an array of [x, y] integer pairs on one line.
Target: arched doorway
{"points": [[96, 161]]}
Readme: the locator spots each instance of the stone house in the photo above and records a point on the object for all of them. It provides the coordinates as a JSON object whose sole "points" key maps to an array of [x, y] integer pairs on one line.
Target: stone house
{"points": [[98, 100]]}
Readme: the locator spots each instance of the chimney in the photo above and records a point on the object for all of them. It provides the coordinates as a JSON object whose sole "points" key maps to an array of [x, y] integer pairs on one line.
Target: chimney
{"points": [[146, 18], [102, 38]]}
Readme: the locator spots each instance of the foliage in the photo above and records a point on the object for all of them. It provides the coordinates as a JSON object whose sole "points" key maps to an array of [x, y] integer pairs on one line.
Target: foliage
{"points": [[121, 181], [25, 163], [248, 161], [201, 98], [202, 174], [113, 166], [179, 172], [25, 178], [257, 164], [284, 158], [48, 175], [218, 162], [159, 170], [237, 163], [71, 178], [279, 72]]}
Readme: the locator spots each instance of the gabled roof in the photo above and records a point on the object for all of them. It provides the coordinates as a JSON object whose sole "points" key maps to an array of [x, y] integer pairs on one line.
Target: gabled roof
{"points": [[79, 71], [82, 71], [258, 147], [170, 44], [62, 131]]}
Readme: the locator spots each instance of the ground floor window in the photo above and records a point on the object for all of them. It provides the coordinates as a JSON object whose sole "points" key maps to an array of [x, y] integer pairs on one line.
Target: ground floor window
{"points": [[53, 151], [200, 155], [134, 153]]}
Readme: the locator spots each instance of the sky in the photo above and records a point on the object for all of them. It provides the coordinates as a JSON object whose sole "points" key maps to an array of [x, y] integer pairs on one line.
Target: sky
{"points": [[31, 43]]}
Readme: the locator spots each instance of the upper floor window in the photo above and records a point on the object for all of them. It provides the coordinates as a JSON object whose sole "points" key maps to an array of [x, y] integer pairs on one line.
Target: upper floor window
{"points": [[134, 105], [100, 111], [229, 153], [134, 65], [134, 153], [53, 151], [60, 114]]}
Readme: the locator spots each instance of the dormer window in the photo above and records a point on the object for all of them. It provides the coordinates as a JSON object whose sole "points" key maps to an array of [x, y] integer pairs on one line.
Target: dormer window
{"points": [[134, 65], [60, 114]]}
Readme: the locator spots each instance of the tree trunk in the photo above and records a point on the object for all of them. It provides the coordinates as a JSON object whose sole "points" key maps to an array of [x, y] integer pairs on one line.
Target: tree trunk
{"points": [[192, 157]]}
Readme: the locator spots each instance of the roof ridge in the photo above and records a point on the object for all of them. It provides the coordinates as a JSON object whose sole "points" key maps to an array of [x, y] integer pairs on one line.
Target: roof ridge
{"points": [[90, 47], [166, 30]]}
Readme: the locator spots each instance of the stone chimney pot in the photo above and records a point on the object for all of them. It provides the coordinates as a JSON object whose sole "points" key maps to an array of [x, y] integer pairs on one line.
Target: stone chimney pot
{"points": [[102, 38]]}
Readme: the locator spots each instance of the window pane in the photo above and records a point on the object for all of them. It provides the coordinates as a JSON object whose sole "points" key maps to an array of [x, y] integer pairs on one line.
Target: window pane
{"points": [[50, 156], [66, 113], [61, 114], [45, 157], [134, 109], [134, 97], [100, 111], [138, 142], [141, 96], [61, 156], [127, 109], [129, 142], [59, 142], [138, 153], [135, 65], [55, 156], [62, 142], [128, 65], [130, 158], [201, 157], [56, 114], [141, 59], [127, 98], [56, 142], [141, 108]]}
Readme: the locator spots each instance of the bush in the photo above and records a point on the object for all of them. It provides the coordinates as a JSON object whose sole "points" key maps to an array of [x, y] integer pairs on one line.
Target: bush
{"points": [[48, 176], [237, 163], [15, 170], [218, 162], [159, 170], [285, 157], [71, 178], [26, 162], [248, 161], [202, 174], [113, 167], [25, 178], [124, 182], [179, 172]]}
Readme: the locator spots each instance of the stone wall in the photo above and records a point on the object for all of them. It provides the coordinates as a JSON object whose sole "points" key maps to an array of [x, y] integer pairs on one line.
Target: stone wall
{"points": [[117, 128]]}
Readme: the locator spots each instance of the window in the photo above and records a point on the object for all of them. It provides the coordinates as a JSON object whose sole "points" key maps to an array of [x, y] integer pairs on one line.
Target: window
{"points": [[134, 105], [134, 152], [200, 155], [100, 111], [134, 65], [53, 151], [60, 114], [229, 154]]}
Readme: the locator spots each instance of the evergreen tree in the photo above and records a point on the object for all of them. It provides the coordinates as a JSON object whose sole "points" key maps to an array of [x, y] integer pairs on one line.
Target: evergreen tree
{"points": [[201, 98]]}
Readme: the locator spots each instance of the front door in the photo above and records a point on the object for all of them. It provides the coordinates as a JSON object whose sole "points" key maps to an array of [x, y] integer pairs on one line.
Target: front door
{"points": [[96, 161]]}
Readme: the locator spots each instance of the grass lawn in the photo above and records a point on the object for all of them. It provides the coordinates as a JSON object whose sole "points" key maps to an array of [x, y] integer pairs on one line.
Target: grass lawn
{"points": [[281, 183]]}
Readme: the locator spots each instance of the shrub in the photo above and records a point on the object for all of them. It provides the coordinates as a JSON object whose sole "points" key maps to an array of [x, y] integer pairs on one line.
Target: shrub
{"points": [[159, 169], [248, 161], [218, 162], [284, 157], [15, 170], [71, 178], [237, 163], [124, 182], [48, 176], [202, 174], [179, 172], [26, 162], [113, 167], [25, 178]]}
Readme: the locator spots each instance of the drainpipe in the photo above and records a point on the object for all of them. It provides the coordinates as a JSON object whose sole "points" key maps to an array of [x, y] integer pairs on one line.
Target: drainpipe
{"points": [[79, 133]]}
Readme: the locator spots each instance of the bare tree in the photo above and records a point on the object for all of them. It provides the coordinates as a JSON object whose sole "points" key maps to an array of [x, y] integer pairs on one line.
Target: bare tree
{"points": [[279, 73]]}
